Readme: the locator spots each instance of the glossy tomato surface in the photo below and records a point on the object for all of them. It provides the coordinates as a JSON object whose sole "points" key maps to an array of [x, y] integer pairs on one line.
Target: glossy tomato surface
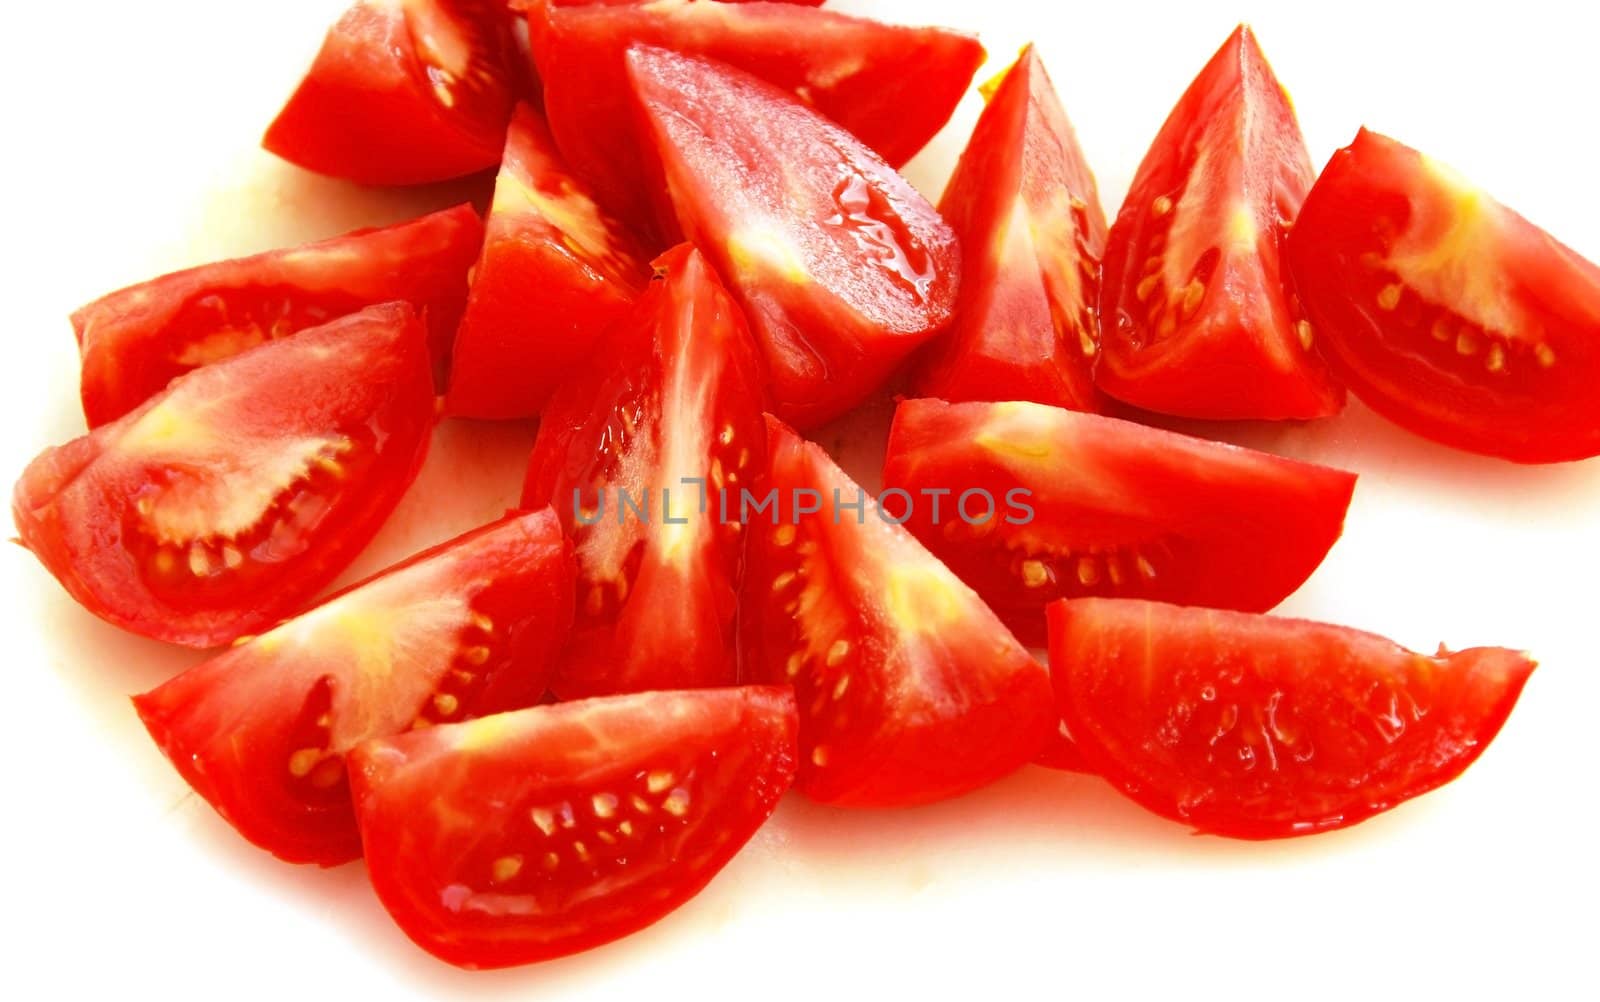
{"points": [[1108, 507], [1260, 727], [261, 730], [910, 689], [892, 86], [556, 272], [842, 268], [636, 454], [137, 340], [1197, 318], [1446, 311], [536, 834], [1025, 206], [405, 92], [222, 504]]}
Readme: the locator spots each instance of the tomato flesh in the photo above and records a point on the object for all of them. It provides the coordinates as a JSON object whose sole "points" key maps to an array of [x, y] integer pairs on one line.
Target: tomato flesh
{"points": [[1026, 209], [1113, 508], [536, 834], [1196, 317], [225, 502], [910, 690], [1260, 727], [673, 405], [555, 273], [404, 92], [137, 340], [1447, 312]]}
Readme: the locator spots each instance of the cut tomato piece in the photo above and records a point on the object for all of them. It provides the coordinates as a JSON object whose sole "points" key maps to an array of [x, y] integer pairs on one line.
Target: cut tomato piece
{"points": [[137, 340], [555, 273], [842, 268], [635, 455], [405, 92], [1025, 206], [1447, 312], [1196, 316], [222, 504], [1040, 503], [536, 834], [910, 689], [467, 628], [1259, 727], [892, 86]]}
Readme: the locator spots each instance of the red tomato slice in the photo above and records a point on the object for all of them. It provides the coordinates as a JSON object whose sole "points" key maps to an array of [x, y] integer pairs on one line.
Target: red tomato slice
{"points": [[1259, 727], [466, 628], [910, 689], [1196, 316], [675, 406], [842, 268], [1025, 206], [137, 340], [1110, 508], [404, 92], [892, 86], [225, 502], [536, 834], [556, 272], [1447, 312]]}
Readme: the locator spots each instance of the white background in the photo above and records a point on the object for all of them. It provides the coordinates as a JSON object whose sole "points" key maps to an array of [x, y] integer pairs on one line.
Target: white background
{"points": [[131, 133]]}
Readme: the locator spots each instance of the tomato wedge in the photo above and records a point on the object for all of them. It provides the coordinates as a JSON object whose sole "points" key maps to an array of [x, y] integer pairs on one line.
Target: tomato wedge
{"points": [[536, 834], [910, 689], [892, 86], [555, 273], [1196, 316], [1025, 206], [225, 502], [1447, 312], [1259, 727], [1040, 503], [137, 340], [404, 92], [634, 455], [842, 268], [466, 628]]}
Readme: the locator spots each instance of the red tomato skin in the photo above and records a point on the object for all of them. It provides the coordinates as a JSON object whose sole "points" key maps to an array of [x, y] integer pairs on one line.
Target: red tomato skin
{"points": [[556, 272], [1236, 351], [76, 506], [1061, 754], [890, 85], [231, 725], [731, 749], [370, 108], [129, 338], [1525, 393], [680, 378], [1132, 680], [1026, 209]]}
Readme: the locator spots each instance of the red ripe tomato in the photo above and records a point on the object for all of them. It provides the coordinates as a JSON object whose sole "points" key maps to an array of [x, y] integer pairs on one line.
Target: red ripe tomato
{"points": [[1196, 317], [1073, 504], [910, 689], [404, 92], [1025, 206], [1447, 312], [555, 273], [536, 834], [137, 340], [842, 268], [261, 730], [634, 455], [892, 86], [1259, 727], [225, 502]]}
